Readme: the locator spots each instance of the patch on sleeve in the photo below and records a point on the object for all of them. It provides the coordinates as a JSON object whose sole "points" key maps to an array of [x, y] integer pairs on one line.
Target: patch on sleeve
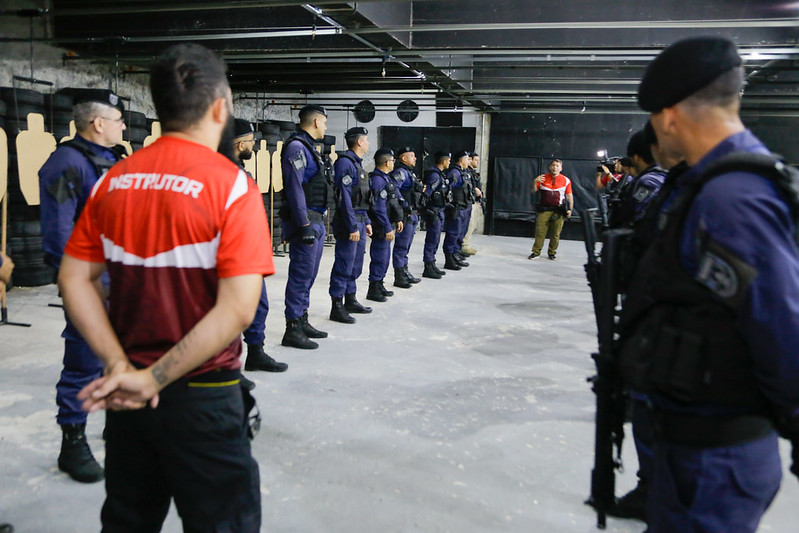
{"points": [[346, 180], [641, 194], [724, 273], [298, 161], [383, 194]]}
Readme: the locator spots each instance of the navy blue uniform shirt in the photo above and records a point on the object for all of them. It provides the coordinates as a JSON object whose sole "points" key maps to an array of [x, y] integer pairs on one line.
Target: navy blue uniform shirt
{"points": [[377, 182], [345, 167], [294, 175], [743, 213]]}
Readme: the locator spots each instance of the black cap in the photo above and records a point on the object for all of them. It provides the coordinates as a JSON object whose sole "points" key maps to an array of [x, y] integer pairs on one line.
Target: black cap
{"points": [[103, 96], [384, 151], [684, 68], [405, 150], [355, 132], [241, 128], [313, 108]]}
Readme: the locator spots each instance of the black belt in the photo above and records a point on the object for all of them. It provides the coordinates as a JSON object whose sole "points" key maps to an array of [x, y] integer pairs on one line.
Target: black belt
{"points": [[709, 432], [315, 217], [360, 217]]}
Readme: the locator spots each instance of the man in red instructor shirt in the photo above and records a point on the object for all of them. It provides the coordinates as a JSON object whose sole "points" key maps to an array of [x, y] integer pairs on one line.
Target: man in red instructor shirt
{"points": [[555, 204], [174, 224]]}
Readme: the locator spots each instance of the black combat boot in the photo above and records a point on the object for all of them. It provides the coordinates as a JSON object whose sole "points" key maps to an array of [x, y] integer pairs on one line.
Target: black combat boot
{"points": [[257, 359], [339, 314], [374, 293], [400, 280], [296, 337], [352, 305], [441, 272], [384, 290], [632, 504], [450, 263], [246, 383], [310, 331], [460, 259], [76, 457], [409, 276], [430, 271]]}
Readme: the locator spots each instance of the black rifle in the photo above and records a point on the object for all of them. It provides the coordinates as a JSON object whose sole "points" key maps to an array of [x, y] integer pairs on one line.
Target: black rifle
{"points": [[606, 384]]}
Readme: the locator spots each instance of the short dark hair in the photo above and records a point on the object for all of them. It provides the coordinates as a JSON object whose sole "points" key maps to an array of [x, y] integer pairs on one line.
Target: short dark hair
{"points": [[307, 115], [441, 157], [352, 141], [639, 145], [724, 91], [184, 81], [382, 159], [556, 161]]}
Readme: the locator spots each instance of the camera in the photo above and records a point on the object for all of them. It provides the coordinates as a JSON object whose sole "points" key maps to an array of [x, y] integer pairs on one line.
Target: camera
{"points": [[610, 163]]}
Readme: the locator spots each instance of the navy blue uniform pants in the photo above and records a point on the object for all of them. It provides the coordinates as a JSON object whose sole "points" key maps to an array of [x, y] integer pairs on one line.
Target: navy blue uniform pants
{"points": [[348, 264], [464, 217], [452, 226], [256, 331], [712, 490], [403, 241], [643, 436], [194, 449], [380, 254], [81, 367], [303, 267], [433, 220]]}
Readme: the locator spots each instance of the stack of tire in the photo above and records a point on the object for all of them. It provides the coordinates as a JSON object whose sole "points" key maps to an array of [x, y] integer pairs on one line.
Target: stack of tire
{"points": [[58, 114], [136, 130], [24, 230], [325, 146], [271, 132]]}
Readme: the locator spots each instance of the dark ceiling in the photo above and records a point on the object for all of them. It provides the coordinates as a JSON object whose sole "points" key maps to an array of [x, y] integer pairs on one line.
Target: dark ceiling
{"points": [[502, 55]]}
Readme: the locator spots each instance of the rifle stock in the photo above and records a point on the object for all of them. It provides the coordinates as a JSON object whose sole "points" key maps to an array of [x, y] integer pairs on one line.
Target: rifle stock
{"points": [[606, 384]]}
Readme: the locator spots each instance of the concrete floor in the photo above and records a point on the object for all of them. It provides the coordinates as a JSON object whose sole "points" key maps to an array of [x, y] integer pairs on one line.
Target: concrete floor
{"points": [[460, 405]]}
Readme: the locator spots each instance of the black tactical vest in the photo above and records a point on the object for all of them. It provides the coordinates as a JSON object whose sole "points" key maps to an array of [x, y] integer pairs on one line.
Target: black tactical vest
{"points": [[460, 194], [393, 206], [439, 195], [676, 336], [100, 164], [413, 194], [360, 193], [316, 188]]}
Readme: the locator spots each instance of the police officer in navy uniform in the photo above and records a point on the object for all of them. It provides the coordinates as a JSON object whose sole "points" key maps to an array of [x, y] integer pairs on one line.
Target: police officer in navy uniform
{"points": [[438, 194], [351, 226], [638, 191], [452, 214], [244, 139], [305, 190], [65, 183], [709, 324], [465, 214], [386, 214], [410, 189]]}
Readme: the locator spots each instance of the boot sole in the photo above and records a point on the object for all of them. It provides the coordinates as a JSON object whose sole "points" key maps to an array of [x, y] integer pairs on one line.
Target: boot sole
{"points": [[343, 320], [359, 311], [305, 347]]}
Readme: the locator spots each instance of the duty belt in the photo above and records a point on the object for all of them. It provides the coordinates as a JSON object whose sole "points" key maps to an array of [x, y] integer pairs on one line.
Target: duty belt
{"points": [[709, 431], [360, 217], [315, 217]]}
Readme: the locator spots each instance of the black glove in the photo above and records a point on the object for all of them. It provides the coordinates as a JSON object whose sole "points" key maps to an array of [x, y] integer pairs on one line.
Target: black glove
{"points": [[308, 235]]}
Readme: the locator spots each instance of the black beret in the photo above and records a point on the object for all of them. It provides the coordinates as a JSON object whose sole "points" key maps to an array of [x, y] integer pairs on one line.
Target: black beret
{"points": [[459, 155], [355, 132], [241, 128], [684, 68], [384, 151], [405, 150], [473, 154], [442, 155], [103, 96], [313, 108]]}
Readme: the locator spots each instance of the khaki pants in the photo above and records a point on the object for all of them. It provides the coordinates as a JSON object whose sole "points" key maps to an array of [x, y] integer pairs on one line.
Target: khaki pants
{"points": [[548, 224]]}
